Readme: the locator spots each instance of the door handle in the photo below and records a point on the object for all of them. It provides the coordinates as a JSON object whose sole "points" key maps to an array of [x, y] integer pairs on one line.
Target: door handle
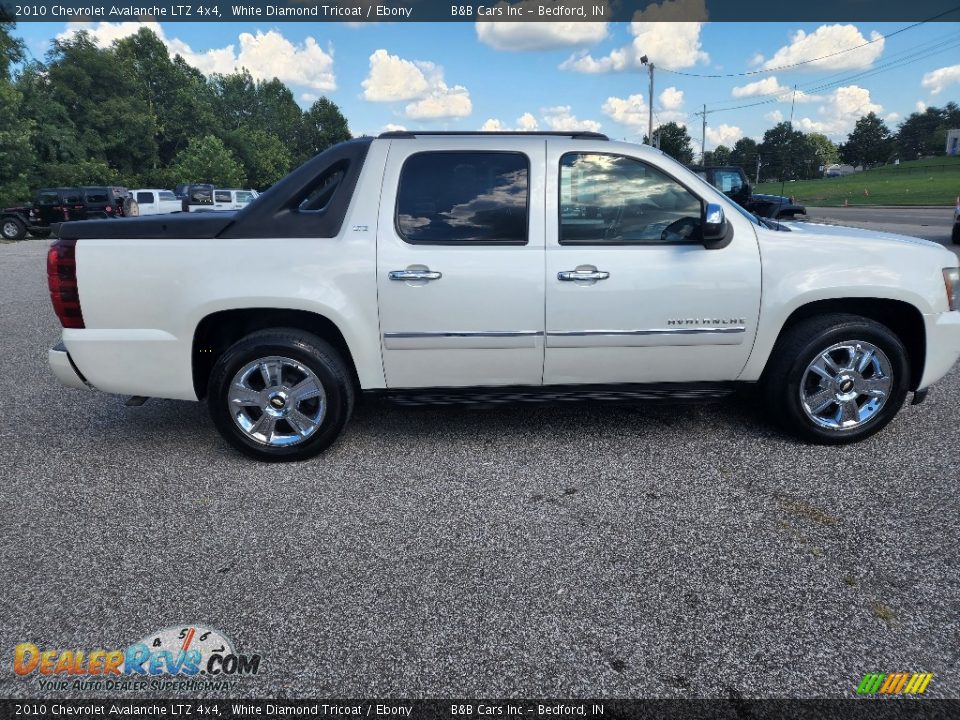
{"points": [[406, 275], [572, 275]]}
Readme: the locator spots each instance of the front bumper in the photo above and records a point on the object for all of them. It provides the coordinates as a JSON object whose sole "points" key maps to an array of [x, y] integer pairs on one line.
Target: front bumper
{"points": [[943, 346], [67, 373]]}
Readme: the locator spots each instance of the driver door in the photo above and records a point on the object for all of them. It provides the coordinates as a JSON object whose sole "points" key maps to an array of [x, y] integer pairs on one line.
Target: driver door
{"points": [[632, 295]]}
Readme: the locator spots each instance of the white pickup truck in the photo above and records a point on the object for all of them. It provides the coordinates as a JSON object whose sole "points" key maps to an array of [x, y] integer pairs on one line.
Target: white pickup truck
{"points": [[461, 267], [152, 201]]}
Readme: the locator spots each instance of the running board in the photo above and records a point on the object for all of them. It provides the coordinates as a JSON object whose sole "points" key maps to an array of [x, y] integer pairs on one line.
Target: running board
{"points": [[475, 396]]}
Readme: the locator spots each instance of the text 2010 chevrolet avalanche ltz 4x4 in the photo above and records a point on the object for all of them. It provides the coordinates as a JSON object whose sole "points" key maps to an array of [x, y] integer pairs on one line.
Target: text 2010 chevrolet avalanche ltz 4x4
{"points": [[515, 266]]}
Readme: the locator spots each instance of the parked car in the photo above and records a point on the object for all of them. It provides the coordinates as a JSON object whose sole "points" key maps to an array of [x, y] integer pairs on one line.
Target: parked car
{"points": [[232, 198], [55, 205], [464, 267], [152, 201], [733, 181], [198, 198]]}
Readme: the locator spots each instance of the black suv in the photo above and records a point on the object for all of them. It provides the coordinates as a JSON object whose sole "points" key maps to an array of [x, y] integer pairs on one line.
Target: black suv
{"points": [[56, 205], [733, 182]]}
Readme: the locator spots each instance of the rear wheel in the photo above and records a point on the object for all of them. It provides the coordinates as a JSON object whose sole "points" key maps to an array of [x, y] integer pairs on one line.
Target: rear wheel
{"points": [[836, 378], [280, 395], [12, 228]]}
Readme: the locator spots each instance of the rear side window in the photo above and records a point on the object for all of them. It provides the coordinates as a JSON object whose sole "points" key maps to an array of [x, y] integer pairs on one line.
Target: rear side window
{"points": [[71, 198], [167, 195], [729, 181], [244, 196], [48, 198], [145, 197], [464, 198], [223, 196], [96, 196]]}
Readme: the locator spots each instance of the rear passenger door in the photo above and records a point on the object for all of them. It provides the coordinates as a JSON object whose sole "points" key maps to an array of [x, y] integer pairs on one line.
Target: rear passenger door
{"points": [[223, 200], [460, 262]]}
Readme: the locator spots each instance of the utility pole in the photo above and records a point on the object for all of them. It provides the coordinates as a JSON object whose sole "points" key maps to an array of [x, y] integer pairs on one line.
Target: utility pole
{"points": [[644, 61], [757, 181], [703, 138]]}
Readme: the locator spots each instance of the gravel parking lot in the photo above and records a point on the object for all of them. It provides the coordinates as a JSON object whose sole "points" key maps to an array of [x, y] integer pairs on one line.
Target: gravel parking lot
{"points": [[590, 550]]}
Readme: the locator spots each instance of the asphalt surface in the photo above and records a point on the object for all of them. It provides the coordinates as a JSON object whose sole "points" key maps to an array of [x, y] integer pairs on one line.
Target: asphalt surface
{"points": [[929, 223], [590, 550]]}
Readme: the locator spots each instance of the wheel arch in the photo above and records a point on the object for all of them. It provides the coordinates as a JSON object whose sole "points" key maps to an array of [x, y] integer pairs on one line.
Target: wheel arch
{"points": [[219, 330], [902, 318]]}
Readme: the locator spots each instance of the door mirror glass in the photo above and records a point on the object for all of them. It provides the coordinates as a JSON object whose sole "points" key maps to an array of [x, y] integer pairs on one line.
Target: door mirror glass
{"points": [[715, 226]]}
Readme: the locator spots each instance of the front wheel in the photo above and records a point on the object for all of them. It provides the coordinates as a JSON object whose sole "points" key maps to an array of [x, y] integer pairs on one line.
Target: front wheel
{"points": [[12, 228], [836, 378], [280, 395]]}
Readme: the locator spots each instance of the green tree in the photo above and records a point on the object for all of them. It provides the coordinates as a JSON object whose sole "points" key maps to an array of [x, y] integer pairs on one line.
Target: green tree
{"points": [[264, 156], [924, 133], [114, 123], [16, 151], [825, 149], [208, 160], [323, 126], [744, 154], [787, 154], [674, 141], [176, 94], [721, 155], [869, 144]]}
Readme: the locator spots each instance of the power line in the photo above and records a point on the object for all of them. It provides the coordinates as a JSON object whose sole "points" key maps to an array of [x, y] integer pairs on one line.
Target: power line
{"points": [[816, 59]]}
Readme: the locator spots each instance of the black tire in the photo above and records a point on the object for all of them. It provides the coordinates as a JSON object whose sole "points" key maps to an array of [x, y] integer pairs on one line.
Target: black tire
{"points": [[12, 228], [799, 346], [40, 233], [299, 347]]}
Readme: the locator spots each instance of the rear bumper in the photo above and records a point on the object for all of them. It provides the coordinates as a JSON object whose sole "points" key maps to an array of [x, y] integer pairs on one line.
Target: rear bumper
{"points": [[66, 372], [943, 346]]}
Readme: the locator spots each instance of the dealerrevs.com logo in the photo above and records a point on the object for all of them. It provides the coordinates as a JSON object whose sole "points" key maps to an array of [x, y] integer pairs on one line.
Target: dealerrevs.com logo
{"points": [[179, 657]]}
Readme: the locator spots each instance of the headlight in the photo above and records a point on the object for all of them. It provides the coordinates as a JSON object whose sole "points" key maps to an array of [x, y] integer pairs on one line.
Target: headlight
{"points": [[951, 280]]}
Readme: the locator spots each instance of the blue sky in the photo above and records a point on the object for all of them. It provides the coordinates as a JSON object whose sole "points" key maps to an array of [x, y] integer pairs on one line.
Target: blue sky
{"points": [[546, 76]]}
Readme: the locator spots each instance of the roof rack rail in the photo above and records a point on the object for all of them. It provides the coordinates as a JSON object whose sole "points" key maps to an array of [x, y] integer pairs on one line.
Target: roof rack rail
{"points": [[574, 134]]}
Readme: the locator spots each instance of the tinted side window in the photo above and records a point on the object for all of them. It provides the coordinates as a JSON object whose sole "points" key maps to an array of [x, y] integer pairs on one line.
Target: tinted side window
{"points": [[48, 198], [612, 199], [71, 198], [244, 196], [145, 197], [464, 197], [167, 195], [222, 196], [729, 181], [96, 196]]}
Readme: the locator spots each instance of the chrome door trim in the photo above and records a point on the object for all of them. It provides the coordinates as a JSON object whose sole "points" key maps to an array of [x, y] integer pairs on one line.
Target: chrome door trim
{"points": [[651, 337], [461, 339]]}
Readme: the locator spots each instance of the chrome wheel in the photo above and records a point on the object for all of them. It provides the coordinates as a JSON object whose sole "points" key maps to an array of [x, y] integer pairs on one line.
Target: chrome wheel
{"points": [[11, 230], [277, 401], [846, 385]]}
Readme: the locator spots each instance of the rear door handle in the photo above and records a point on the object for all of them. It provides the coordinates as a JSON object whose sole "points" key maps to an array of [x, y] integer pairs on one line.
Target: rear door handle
{"points": [[406, 275], [572, 275]]}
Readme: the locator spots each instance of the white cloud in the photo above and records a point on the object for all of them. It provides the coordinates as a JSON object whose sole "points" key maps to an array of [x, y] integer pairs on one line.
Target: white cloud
{"points": [[393, 127], [921, 106], [936, 80], [631, 111], [671, 99], [266, 55], [840, 112], [890, 118], [771, 86], [662, 32], [723, 135], [523, 35], [442, 102], [526, 123], [392, 79], [561, 118], [775, 116], [828, 40]]}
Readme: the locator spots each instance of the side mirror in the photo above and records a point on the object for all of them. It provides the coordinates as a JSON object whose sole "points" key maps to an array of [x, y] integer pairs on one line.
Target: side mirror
{"points": [[716, 230]]}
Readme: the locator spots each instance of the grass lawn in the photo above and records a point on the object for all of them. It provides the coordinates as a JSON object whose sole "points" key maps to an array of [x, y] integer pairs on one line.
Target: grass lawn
{"points": [[935, 181]]}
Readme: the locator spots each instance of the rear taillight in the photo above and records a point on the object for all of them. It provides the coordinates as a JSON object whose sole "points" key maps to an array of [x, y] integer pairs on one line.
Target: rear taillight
{"points": [[62, 280], [108, 208]]}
